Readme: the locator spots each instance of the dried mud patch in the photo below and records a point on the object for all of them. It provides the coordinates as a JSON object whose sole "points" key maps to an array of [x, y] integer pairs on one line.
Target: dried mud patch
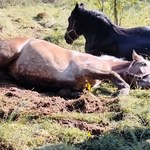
{"points": [[14, 98], [16, 101]]}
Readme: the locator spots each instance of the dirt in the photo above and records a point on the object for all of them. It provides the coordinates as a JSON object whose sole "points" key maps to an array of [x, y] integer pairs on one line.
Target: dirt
{"points": [[16, 100]]}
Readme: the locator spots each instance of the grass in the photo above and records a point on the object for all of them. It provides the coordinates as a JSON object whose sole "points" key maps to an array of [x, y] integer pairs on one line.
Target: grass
{"points": [[128, 118], [89, 118], [31, 135]]}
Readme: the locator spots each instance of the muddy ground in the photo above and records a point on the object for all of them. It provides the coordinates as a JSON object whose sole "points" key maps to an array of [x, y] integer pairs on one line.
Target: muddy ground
{"points": [[14, 98]]}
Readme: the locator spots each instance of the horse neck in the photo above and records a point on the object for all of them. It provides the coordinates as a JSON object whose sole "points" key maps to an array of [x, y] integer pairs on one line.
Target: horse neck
{"points": [[121, 67], [95, 36], [112, 30]]}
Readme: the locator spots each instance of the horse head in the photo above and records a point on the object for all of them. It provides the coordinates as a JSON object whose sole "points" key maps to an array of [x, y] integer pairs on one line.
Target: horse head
{"points": [[73, 30], [138, 72], [88, 23]]}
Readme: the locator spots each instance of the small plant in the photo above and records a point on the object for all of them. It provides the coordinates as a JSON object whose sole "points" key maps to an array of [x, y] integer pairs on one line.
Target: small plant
{"points": [[88, 86]]}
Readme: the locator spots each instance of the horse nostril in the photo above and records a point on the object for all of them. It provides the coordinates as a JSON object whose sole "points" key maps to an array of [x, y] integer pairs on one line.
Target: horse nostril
{"points": [[68, 40]]}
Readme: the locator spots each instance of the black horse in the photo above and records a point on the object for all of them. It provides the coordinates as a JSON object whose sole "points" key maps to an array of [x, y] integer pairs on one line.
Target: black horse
{"points": [[104, 37]]}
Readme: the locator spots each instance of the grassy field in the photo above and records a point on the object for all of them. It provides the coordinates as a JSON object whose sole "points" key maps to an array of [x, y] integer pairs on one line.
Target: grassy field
{"points": [[123, 125]]}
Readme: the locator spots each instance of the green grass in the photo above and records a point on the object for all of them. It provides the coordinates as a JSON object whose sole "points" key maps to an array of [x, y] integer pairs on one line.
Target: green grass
{"points": [[89, 118], [31, 135]]}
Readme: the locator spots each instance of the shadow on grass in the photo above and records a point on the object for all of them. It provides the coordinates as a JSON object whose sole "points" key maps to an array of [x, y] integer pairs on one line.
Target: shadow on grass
{"points": [[127, 139], [105, 88], [102, 91]]}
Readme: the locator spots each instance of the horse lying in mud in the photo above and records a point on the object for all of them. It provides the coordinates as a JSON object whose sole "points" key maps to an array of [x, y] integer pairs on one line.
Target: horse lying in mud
{"points": [[104, 37], [38, 63]]}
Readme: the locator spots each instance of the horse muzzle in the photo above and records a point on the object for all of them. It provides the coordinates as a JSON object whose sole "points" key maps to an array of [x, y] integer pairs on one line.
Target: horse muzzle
{"points": [[68, 39], [144, 82], [71, 35]]}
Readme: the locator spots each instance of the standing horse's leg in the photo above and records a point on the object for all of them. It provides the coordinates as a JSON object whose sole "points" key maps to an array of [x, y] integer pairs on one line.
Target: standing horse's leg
{"points": [[123, 87]]}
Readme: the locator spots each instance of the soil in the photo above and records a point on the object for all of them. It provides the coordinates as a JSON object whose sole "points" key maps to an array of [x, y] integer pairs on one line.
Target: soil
{"points": [[18, 99]]}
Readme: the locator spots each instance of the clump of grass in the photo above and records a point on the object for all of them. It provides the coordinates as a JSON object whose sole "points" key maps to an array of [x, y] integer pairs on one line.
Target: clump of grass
{"points": [[118, 141], [105, 89], [29, 135], [6, 3], [137, 105], [41, 16], [89, 118], [63, 146]]}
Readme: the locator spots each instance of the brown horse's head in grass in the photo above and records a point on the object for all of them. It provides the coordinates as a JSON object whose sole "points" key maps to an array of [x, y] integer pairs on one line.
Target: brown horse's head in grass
{"points": [[138, 71]]}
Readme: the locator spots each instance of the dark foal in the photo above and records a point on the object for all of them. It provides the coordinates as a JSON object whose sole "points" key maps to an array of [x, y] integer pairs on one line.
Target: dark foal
{"points": [[104, 37]]}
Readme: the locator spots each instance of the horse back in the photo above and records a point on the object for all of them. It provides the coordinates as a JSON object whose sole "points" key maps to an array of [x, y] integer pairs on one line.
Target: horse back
{"points": [[10, 48], [43, 61]]}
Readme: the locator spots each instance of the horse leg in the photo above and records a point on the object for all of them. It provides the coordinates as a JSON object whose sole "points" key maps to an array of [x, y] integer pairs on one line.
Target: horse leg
{"points": [[123, 87]]}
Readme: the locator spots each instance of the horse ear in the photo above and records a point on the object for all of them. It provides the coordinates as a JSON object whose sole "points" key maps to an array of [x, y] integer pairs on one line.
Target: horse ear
{"points": [[82, 5], [136, 57], [76, 7]]}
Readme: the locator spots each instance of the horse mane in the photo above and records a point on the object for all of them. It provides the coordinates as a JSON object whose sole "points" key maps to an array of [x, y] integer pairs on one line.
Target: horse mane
{"points": [[96, 14], [101, 17], [112, 58]]}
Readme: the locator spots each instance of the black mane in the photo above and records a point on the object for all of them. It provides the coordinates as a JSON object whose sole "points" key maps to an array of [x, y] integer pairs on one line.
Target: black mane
{"points": [[95, 15], [99, 15]]}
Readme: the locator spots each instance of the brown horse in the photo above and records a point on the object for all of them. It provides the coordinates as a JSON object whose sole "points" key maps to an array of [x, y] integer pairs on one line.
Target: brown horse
{"points": [[39, 63]]}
